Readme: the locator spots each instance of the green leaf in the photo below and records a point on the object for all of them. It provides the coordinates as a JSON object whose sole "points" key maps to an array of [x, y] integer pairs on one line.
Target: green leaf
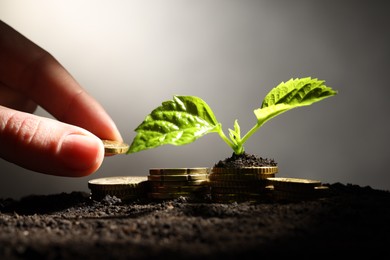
{"points": [[235, 135], [177, 122], [292, 94]]}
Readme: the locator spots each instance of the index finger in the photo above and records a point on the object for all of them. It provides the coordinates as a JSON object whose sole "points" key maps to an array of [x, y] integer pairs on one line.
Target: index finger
{"points": [[27, 68]]}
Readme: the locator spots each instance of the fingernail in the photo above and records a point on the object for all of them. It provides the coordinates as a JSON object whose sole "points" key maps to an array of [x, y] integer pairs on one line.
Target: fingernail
{"points": [[82, 152]]}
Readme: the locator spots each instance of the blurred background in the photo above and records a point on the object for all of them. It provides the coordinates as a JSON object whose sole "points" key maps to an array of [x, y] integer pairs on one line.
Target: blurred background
{"points": [[132, 55]]}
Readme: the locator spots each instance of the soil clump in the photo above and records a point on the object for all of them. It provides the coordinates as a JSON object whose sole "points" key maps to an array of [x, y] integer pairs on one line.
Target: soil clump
{"points": [[245, 160]]}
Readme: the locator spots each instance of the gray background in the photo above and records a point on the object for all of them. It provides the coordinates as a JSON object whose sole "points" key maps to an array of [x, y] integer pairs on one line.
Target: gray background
{"points": [[132, 55]]}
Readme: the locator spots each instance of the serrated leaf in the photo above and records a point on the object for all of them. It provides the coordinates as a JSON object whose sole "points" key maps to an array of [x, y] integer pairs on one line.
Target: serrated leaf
{"points": [[177, 122], [292, 94]]}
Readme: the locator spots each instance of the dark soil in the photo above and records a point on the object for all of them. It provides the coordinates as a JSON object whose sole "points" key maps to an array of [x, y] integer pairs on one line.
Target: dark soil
{"points": [[350, 221], [245, 160]]}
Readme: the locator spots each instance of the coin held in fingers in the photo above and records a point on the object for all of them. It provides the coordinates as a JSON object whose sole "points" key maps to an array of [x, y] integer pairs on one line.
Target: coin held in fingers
{"points": [[112, 147]]}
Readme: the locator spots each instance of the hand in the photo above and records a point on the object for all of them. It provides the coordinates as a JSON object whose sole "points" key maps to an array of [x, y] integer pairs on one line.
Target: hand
{"points": [[30, 76]]}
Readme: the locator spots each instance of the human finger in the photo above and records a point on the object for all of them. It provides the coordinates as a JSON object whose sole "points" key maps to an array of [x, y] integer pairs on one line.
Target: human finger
{"points": [[13, 99], [48, 146], [33, 72]]}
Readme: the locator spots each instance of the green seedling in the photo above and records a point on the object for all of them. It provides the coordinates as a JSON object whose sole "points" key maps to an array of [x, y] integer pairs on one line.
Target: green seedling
{"points": [[186, 118]]}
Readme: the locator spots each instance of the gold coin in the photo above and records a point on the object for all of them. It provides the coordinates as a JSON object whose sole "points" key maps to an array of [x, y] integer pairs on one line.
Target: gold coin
{"points": [[178, 171], [117, 181], [293, 184], [188, 177], [176, 189], [301, 194], [246, 170], [112, 147], [123, 187], [321, 188], [157, 183], [242, 174], [238, 183], [239, 177]]}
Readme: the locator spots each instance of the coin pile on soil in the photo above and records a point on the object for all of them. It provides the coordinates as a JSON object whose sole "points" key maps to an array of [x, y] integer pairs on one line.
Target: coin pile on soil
{"points": [[171, 183], [245, 160], [352, 221]]}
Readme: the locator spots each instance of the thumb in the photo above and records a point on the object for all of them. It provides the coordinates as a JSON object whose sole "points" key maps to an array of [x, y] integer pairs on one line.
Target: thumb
{"points": [[48, 146]]}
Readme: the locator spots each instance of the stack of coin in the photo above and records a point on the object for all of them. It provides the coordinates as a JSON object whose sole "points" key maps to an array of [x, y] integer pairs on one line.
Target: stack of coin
{"points": [[241, 184], [296, 188], [124, 187], [171, 183]]}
